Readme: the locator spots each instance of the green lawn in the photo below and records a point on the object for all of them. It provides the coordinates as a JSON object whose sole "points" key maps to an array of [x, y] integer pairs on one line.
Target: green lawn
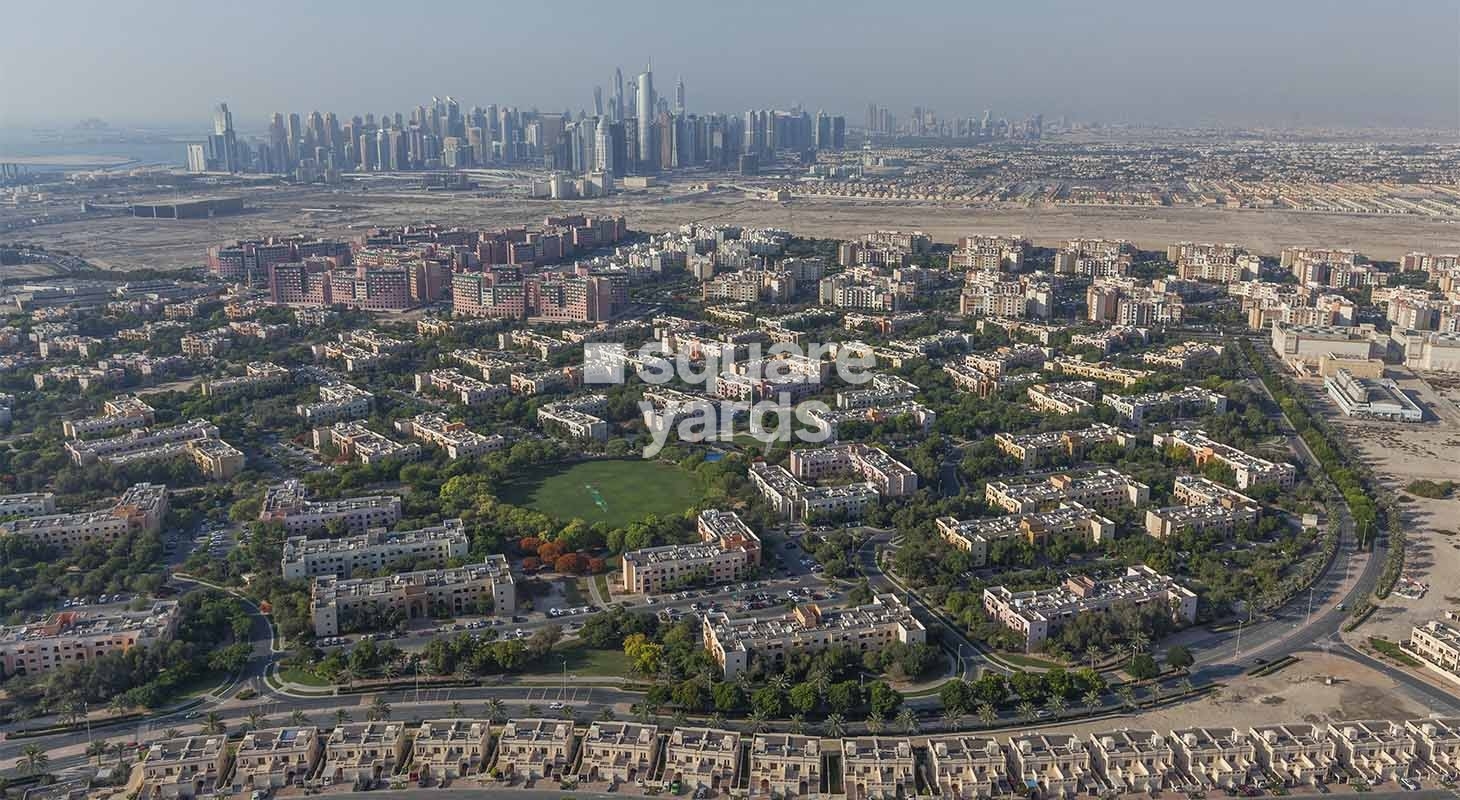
{"points": [[301, 677], [587, 661], [616, 491], [1022, 660]]}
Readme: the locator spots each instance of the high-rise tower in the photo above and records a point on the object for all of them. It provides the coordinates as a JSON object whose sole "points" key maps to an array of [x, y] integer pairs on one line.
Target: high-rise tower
{"points": [[679, 97], [645, 121], [618, 93]]}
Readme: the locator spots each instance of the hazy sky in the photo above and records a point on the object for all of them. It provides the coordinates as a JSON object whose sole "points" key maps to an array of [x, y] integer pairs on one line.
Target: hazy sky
{"points": [[1273, 62]]}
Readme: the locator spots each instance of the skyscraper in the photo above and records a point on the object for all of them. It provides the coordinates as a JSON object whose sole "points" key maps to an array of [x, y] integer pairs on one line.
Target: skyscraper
{"points": [[645, 108], [618, 93], [225, 143], [598, 101], [679, 97]]}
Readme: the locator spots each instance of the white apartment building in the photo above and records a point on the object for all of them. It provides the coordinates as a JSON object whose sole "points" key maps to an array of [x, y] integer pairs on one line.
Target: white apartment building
{"points": [[359, 754], [257, 375], [618, 752], [785, 765], [1299, 754], [455, 438], [1214, 757], [1132, 760], [1437, 643], [577, 418], [534, 749], [891, 477], [463, 389], [1437, 742], [1377, 750], [27, 504], [186, 768], [373, 551], [446, 749], [337, 401], [968, 767], [1138, 409], [124, 412], [1057, 764], [288, 504], [702, 758], [1037, 613], [355, 442], [1070, 397], [1036, 449], [140, 509], [728, 550], [276, 757], [342, 604], [809, 629], [878, 768]]}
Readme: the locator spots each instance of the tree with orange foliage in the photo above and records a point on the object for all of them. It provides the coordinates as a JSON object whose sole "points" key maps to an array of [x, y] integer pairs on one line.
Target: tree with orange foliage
{"points": [[569, 562], [550, 551], [531, 564]]}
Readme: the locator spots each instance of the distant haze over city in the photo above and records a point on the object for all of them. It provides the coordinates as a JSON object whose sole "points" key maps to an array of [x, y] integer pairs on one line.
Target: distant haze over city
{"points": [[1293, 64]]}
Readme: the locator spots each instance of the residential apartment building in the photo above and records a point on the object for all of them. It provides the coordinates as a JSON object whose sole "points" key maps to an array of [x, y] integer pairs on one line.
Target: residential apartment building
{"points": [[373, 551], [534, 749], [702, 758], [338, 604], [785, 765], [1299, 754], [1248, 470], [1379, 751], [974, 536], [361, 754], [1214, 757], [728, 551], [809, 629], [988, 252], [1183, 356], [258, 376], [1097, 371], [1036, 449], [185, 768], [455, 438], [1133, 760], [80, 635], [288, 504], [788, 495], [1437, 742], [1057, 764], [891, 477], [461, 388], [968, 767], [337, 401], [576, 418], [1071, 397], [1036, 614], [878, 768], [1103, 489], [195, 439], [1437, 643], [447, 749], [28, 504], [355, 442], [273, 758], [140, 509], [618, 752], [1137, 410], [124, 412]]}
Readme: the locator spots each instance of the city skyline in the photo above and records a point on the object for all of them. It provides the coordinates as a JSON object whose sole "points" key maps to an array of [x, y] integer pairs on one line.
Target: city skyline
{"points": [[1149, 65]]}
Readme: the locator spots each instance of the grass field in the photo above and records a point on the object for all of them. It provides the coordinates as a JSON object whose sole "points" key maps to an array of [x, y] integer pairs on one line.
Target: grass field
{"points": [[617, 492], [587, 661]]}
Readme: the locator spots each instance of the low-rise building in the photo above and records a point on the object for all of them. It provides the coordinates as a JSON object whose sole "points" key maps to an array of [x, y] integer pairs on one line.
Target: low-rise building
{"points": [[338, 605], [455, 438], [1070, 397], [272, 758], [1132, 761], [140, 509], [1378, 751], [288, 504], [974, 536], [878, 768], [447, 749], [1247, 470], [195, 439], [361, 754], [1139, 409], [373, 551], [577, 418], [77, 636], [337, 401], [1299, 754], [1035, 614], [785, 765], [1214, 757], [618, 752], [1036, 449], [185, 768], [1437, 643], [1097, 371], [125, 412], [1054, 764], [891, 477], [702, 758], [533, 749], [355, 442], [1437, 742], [788, 495], [463, 389], [27, 504], [1371, 398], [1104, 489], [968, 767], [258, 376], [809, 629], [728, 550]]}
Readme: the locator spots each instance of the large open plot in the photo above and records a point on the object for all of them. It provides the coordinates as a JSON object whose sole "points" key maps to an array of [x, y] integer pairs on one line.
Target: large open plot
{"points": [[617, 492]]}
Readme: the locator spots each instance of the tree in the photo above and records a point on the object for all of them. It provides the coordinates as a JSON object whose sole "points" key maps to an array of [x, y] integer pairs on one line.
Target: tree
{"points": [[1179, 656], [298, 718], [1056, 705], [379, 709], [1026, 710], [757, 721], [255, 718], [1092, 655], [496, 710], [98, 748], [727, 697], [171, 733], [455, 709], [874, 722], [798, 724], [213, 724], [1127, 695], [606, 714], [804, 697], [1091, 699], [950, 717], [836, 725], [885, 699], [956, 695], [1142, 667], [907, 719], [33, 760], [342, 716], [987, 714], [768, 701]]}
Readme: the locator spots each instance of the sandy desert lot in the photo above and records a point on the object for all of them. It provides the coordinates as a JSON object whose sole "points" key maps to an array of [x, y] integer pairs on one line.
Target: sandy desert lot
{"points": [[126, 243]]}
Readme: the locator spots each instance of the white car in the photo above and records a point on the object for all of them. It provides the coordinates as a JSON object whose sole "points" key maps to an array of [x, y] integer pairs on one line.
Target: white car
{"points": [[556, 706]]}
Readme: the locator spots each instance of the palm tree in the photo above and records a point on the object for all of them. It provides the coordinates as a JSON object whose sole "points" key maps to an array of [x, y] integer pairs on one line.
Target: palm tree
{"points": [[836, 725], [779, 682], [1026, 711], [874, 722], [496, 710], [341, 716], [97, 748], [456, 711], [951, 716], [717, 720], [1185, 685], [798, 723], [255, 718], [118, 705], [1139, 641], [533, 710], [392, 670], [642, 713], [606, 714], [1155, 693], [987, 714], [680, 718], [171, 733], [1056, 705], [379, 709], [757, 721], [298, 718], [1127, 695], [33, 760], [907, 720], [1092, 654], [1091, 700], [70, 713], [213, 723], [347, 676], [819, 681], [120, 749]]}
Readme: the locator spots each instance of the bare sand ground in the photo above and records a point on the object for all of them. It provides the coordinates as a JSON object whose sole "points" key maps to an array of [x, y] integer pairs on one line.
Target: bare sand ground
{"points": [[1401, 453], [1298, 693], [126, 243]]}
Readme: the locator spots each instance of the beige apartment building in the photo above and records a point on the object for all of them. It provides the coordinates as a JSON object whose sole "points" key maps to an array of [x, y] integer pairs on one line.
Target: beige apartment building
{"points": [[276, 757], [1036, 449], [1097, 371], [140, 509], [967, 767], [808, 628], [891, 477], [728, 551], [79, 635], [1103, 489], [1133, 760], [124, 412], [454, 438], [878, 768], [1437, 643], [1036, 614], [1248, 470], [702, 758], [185, 768], [446, 749], [1214, 757], [618, 752], [1057, 764], [1298, 754], [373, 551], [1437, 742], [359, 754], [785, 765], [534, 749], [288, 504], [973, 536], [344, 604], [1377, 750]]}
